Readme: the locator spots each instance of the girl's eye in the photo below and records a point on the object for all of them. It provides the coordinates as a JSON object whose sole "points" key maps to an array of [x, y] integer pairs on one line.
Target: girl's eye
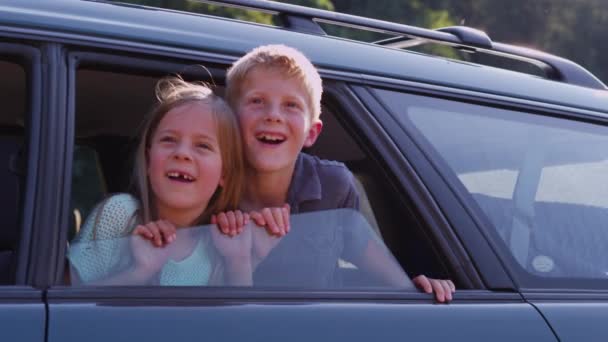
{"points": [[204, 146], [255, 100], [168, 138]]}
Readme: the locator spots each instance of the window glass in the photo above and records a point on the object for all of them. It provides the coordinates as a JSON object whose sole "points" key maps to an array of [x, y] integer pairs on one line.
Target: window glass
{"points": [[12, 161], [542, 181], [324, 250]]}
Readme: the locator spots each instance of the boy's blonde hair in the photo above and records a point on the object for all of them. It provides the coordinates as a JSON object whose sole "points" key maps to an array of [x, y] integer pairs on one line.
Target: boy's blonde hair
{"points": [[287, 60], [173, 92]]}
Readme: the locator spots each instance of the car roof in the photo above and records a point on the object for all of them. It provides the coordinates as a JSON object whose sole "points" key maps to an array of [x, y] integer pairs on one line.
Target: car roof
{"points": [[137, 25]]}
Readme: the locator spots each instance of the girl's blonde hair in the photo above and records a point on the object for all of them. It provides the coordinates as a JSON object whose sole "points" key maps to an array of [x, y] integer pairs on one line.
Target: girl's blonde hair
{"points": [[173, 92]]}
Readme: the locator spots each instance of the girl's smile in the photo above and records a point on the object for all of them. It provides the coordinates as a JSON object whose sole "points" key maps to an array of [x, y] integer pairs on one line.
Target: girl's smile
{"points": [[184, 162]]}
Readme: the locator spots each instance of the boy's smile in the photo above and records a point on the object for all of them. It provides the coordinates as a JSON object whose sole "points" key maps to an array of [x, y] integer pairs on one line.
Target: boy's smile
{"points": [[275, 119], [271, 138]]}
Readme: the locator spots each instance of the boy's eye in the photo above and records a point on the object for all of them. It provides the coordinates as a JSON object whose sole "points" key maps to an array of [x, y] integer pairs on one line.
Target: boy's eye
{"points": [[292, 104]]}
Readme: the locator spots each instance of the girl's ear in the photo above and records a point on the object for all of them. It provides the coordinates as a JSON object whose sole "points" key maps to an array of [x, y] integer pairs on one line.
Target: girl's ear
{"points": [[221, 182]]}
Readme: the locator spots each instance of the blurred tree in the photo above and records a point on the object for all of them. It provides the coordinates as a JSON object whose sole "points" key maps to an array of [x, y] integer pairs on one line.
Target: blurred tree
{"points": [[205, 8], [573, 29]]}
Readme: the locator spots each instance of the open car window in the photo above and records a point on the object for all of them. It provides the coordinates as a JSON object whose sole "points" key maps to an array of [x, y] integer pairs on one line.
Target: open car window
{"points": [[331, 250], [541, 181]]}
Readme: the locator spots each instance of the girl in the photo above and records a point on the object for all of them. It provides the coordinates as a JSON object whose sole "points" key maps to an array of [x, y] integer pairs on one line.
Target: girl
{"points": [[188, 165]]}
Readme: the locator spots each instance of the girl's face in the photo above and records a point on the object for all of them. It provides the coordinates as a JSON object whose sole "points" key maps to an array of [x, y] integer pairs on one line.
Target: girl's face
{"points": [[184, 163]]}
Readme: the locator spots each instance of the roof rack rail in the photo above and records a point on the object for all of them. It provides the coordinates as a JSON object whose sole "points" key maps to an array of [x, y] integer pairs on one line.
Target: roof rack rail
{"points": [[556, 68], [305, 19]]}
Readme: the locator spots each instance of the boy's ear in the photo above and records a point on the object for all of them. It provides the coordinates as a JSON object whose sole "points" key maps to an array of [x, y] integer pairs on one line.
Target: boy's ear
{"points": [[313, 132]]}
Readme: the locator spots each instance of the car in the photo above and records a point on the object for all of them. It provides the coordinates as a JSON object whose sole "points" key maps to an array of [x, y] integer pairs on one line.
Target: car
{"points": [[494, 178]]}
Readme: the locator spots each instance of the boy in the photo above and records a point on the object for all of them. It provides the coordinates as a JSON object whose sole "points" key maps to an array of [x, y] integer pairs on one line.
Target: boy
{"points": [[276, 92]]}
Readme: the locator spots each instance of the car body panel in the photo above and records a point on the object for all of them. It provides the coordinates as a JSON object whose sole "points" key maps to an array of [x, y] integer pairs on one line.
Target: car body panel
{"points": [[573, 316], [22, 315], [232, 320], [577, 321], [198, 32]]}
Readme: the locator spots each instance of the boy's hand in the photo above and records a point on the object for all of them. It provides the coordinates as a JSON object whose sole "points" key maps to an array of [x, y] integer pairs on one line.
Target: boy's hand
{"points": [[263, 243], [275, 220], [443, 289], [159, 233], [230, 223]]}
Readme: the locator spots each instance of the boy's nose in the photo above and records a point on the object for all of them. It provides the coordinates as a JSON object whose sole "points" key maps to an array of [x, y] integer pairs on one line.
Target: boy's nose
{"points": [[273, 114]]}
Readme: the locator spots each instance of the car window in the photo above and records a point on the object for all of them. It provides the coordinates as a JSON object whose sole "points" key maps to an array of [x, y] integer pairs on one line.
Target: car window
{"points": [[323, 250], [105, 134], [542, 181], [12, 130]]}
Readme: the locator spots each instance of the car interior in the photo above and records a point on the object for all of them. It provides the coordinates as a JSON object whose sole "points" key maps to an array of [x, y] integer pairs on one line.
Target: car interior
{"points": [[12, 133]]}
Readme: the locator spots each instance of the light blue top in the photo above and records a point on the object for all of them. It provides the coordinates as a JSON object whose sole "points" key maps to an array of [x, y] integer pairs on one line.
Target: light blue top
{"points": [[101, 248]]}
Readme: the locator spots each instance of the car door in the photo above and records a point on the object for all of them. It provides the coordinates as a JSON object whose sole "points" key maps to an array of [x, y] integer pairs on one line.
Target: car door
{"points": [[536, 182], [22, 312], [275, 311]]}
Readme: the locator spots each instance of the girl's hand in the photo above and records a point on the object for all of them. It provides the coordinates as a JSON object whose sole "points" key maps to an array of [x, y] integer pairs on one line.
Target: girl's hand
{"points": [[230, 223], [274, 220], [442, 288], [234, 248], [149, 259], [159, 233]]}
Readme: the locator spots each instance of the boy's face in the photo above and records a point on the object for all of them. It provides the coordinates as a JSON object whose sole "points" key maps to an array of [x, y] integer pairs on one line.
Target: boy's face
{"points": [[276, 120]]}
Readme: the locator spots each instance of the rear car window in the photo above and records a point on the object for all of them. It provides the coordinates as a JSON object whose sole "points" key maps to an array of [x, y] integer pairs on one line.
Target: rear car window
{"points": [[541, 181]]}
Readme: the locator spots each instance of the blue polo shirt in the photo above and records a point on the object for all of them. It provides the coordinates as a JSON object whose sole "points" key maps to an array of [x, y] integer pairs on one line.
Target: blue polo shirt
{"points": [[308, 255], [319, 184]]}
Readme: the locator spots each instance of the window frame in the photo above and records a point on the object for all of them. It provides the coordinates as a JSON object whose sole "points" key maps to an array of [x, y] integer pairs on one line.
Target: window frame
{"points": [[338, 90]]}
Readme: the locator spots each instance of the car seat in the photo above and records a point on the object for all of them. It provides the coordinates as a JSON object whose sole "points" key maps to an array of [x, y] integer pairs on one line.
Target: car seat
{"points": [[88, 186]]}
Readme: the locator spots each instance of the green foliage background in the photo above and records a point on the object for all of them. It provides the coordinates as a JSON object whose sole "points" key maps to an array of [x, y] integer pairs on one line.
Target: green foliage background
{"points": [[574, 29]]}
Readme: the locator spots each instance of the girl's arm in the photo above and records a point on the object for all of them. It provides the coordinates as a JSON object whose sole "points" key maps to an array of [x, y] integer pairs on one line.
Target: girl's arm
{"points": [[274, 220], [145, 244], [233, 241]]}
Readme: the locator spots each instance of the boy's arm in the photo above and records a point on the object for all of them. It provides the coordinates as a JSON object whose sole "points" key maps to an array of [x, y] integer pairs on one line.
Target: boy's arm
{"points": [[377, 260]]}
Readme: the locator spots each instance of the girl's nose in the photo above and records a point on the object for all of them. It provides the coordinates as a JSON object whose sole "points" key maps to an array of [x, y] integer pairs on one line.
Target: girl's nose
{"points": [[182, 151]]}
